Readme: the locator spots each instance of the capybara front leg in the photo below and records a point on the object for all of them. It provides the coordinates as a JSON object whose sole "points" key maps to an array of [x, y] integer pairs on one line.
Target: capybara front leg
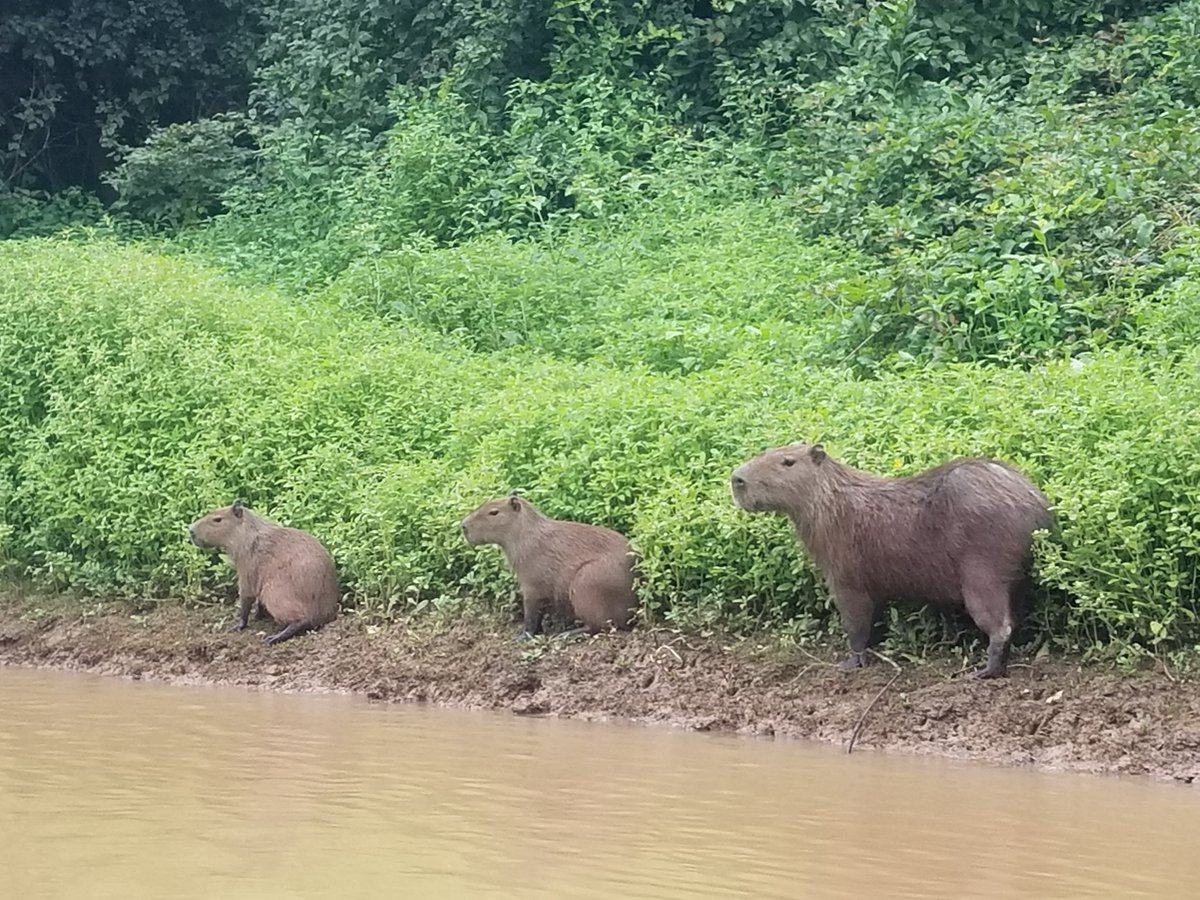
{"points": [[291, 631], [858, 615], [244, 604], [532, 622]]}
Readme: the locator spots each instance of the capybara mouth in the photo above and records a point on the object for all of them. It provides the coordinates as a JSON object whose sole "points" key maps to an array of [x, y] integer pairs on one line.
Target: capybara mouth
{"points": [[195, 540], [739, 489]]}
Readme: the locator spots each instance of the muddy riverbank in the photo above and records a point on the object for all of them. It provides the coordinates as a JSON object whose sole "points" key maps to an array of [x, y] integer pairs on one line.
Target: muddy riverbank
{"points": [[1051, 713]]}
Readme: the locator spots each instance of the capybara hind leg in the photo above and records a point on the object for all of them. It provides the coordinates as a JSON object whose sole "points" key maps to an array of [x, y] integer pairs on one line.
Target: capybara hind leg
{"points": [[858, 615], [601, 597], [989, 603], [997, 660], [291, 631]]}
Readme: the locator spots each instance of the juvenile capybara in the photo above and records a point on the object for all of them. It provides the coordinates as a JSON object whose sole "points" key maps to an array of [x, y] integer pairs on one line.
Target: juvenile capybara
{"points": [[287, 571], [583, 572], [956, 535]]}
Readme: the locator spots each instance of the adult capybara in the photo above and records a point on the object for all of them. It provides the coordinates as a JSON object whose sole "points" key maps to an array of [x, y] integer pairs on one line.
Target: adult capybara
{"points": [[582, 571], [285, 570], [957, 535]]}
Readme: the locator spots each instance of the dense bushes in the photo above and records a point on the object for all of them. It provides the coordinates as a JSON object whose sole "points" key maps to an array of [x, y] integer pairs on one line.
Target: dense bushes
{"points": [[139, 391], [1006, 215], [184, 172]]}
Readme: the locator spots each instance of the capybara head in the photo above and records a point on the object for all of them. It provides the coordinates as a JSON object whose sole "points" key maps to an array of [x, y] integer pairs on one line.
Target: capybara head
{"points": [[495, 520], [777, 479], [219, 527]]}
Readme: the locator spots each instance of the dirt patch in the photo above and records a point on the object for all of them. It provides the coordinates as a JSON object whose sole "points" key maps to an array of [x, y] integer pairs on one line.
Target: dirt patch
{"points": [[1050, 713]]}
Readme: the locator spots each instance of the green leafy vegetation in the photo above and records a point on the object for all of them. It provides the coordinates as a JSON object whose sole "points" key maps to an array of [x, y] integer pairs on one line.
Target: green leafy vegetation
{"points": [[140, 390], [421, 254]]}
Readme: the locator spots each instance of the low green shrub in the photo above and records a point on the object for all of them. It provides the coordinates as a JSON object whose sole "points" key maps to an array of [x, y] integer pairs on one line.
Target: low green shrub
{"points": [[183, 172], [680, 287], [26, 213], [140, 391]]}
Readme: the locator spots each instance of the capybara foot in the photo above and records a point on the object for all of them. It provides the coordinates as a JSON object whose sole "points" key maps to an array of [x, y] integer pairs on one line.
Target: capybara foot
{"points": [[291, 631], [524, 636], [855, 661], [574, 632], [990, 671], [238, 626]]}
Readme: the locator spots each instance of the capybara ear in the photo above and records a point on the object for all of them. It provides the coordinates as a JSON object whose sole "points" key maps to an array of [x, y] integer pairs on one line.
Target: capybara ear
{"points": [[514, 501], [237, 507], [817, 453]]}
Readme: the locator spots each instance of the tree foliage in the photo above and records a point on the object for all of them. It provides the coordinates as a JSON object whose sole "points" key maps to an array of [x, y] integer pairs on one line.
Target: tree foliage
{"points": [[80, 79]]}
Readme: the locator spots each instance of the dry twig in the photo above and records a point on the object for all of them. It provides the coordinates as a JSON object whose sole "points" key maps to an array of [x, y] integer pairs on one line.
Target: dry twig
{"points": [[870, 706]]}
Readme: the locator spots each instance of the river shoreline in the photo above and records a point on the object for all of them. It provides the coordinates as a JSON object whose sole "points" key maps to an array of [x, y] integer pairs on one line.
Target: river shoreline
{"points": [[1053, 714]]}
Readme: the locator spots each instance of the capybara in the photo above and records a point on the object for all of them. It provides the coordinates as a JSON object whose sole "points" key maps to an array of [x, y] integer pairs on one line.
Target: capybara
{"points": [[581, 571], [957, 535], [287, 571]]}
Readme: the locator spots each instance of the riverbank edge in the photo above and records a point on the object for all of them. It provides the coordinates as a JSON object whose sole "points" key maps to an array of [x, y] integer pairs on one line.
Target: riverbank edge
{"points": [[1053, 714]]}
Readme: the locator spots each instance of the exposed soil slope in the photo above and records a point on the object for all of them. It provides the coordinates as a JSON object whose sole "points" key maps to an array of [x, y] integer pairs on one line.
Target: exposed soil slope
{"points": [[1052, 713]]}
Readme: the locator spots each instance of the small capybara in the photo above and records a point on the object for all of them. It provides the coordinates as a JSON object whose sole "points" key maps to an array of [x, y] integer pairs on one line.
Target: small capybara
{"points": [[287, 571], [957, 535], [582, 571]]}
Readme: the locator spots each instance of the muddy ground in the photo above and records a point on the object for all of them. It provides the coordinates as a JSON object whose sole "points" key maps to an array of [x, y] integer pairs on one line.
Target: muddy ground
{"points": [[1051, 713]]}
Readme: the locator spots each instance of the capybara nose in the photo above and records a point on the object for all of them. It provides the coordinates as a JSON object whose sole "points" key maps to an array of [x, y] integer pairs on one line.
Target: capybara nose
{"points": [[738, 481], [463, 526]]}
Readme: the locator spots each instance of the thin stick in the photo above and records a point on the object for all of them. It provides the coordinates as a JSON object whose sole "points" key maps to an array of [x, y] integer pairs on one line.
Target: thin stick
{"points": [[670, 650], [814, 658], [870, 706], [804, 672]]}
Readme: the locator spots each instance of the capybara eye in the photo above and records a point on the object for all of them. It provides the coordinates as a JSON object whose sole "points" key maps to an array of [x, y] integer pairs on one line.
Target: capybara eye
{"points": [[789, 461], [494, 512], [217, 519]]}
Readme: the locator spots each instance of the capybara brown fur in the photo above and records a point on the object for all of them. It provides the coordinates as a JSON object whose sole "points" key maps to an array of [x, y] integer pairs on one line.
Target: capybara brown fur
{"points": [[286, 571], [957, 535], [583, 572]]}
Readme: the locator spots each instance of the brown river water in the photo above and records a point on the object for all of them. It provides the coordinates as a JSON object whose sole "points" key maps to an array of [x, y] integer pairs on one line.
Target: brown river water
{"points": [[118, 789]]}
